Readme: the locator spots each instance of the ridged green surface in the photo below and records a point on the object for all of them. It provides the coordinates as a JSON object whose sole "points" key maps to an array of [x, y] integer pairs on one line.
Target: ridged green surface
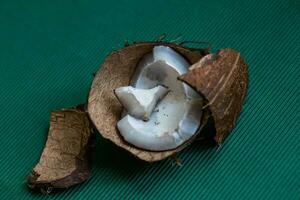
{"points": [[49, 51]]}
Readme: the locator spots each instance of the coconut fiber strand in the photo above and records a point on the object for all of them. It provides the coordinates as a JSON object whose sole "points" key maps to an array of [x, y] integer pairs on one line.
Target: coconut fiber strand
{"points": [[50, 50]]}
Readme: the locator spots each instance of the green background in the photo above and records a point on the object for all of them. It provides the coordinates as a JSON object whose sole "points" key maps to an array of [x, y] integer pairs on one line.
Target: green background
{"points": [[50, 49]]}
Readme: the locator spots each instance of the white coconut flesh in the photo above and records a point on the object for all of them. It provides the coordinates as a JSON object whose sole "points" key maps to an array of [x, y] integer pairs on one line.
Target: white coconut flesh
{"points": [[176, 117], [140, 102]]}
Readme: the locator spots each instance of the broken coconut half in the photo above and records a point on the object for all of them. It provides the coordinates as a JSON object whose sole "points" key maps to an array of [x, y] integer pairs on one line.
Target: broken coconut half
{"points": [[222, 78], [65, 158], [178, 117]]}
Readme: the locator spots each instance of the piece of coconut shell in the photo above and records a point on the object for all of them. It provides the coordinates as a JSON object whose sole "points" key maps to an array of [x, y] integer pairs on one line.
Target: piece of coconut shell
{"points": [[221, 78], [64, 161], [117, 70]]}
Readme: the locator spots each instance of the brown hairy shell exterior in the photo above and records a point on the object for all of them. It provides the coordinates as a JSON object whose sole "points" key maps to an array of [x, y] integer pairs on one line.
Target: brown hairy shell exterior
{"points": [[223, 80], [64, 161]]}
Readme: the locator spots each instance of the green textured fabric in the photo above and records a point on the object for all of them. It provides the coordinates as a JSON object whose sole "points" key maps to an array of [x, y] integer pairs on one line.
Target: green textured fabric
{"points": [[50, 49]]}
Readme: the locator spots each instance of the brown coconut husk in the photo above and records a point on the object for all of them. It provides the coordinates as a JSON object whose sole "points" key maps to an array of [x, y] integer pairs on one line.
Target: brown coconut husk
{"points": [[222, 79], [64, 161], [103, 107]]}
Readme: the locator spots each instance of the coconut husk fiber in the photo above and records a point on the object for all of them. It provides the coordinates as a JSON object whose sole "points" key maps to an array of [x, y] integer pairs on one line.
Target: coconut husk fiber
{"points": [[222, 79], [64, 161], [103, 107]]}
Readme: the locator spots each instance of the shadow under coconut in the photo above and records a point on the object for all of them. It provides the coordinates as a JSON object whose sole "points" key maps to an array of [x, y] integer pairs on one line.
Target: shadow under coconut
{"points": [[205, 142], [107, 156]]}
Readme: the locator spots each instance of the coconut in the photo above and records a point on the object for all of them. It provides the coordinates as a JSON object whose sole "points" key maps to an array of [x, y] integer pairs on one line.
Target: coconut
{"points": [[65, 158], [140, 102], [117, 71], [221, 79]]}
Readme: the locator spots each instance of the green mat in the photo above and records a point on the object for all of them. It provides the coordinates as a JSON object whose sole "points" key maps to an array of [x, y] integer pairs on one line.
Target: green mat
{"points": [[50, 49]]}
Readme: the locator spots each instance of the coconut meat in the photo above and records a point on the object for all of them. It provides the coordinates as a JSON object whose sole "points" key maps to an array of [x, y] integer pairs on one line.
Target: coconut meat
{"points": [[155, 136], [175, 118], [140, 103]]}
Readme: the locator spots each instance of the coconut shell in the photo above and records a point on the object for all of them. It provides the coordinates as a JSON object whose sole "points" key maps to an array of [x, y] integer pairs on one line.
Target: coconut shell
{"points": [[117, 70], [64, 161], [222, 79]]}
